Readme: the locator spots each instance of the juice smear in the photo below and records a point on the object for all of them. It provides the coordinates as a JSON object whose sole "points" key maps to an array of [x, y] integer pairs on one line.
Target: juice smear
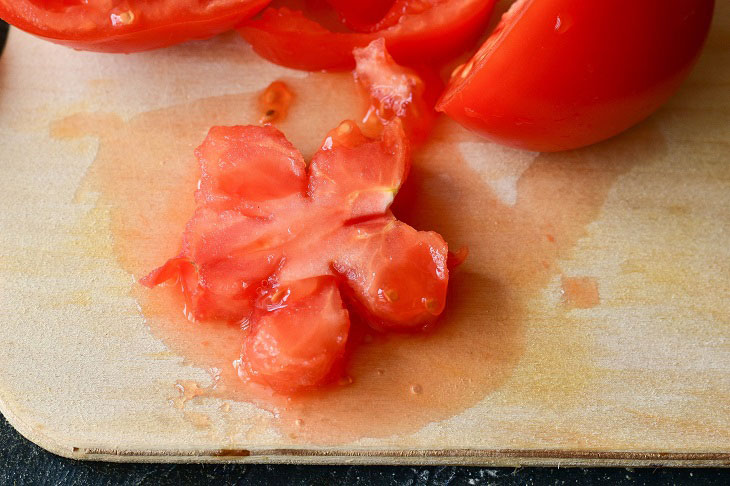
{"points": [[580, 292], [144, 176]]}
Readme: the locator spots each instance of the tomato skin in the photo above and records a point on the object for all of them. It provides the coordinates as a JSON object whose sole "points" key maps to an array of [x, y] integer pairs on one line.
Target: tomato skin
{"points": [[287, 37], [562, 74], [177, 27]]}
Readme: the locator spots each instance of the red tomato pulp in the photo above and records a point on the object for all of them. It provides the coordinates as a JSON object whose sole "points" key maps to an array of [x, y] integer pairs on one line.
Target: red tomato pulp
{"points": [[395, 92], [415, 32]]}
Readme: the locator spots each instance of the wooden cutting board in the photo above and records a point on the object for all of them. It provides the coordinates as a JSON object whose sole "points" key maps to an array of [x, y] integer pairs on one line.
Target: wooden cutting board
{"points": [[589, 325]]}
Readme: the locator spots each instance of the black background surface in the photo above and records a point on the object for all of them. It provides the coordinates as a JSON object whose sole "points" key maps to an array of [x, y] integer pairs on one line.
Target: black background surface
{"points": [[22, 462]]}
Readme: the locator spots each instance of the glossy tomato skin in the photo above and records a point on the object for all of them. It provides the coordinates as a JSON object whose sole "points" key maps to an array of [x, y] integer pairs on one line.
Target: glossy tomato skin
{"points": [[361, 16], [562, 74], [289, 38], [132, 33]]}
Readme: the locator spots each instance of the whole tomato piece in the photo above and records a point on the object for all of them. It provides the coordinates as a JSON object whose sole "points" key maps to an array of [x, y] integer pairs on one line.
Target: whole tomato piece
{"points": [[561, 74]]}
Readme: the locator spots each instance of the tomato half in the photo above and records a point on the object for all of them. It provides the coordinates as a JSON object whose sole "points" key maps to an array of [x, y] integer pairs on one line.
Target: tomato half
{"points": [[562, 74], [129, 26], [434, 30]]}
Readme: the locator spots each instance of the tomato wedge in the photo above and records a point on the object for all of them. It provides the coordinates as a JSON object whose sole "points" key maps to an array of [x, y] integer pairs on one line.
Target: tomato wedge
{"points": [[434, 31], [129, 26], [562, 74], [273, 242]]}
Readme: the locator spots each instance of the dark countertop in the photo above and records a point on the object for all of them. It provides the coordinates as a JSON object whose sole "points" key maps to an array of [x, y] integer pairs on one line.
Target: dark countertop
{"points": [[22, 462]]}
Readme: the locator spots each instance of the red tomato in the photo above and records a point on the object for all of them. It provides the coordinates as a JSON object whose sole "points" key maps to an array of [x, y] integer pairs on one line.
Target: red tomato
{"points": [[358, 175], [248, 162], [361, 16], [299, 338], [396, 275], [394, 92], [243, 171], [269, 230], [562, 74], [434, 31], [129, 26]]}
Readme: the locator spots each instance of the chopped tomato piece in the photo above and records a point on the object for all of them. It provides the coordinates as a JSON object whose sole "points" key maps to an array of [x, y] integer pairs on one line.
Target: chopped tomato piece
{"points": [[297, 337], [355, 182], [129, 26], [415, 32], [249, 163], [395, 92], [396, 274], [274, 253]]}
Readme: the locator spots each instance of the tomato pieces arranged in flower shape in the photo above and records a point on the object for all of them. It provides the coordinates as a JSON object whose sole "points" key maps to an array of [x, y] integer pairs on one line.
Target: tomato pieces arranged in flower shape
{"points": [[273, 242], [415, 32]]}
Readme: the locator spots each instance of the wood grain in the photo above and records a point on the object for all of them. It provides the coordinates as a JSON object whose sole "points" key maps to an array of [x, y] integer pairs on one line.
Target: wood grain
{"points": [[641, 378]]}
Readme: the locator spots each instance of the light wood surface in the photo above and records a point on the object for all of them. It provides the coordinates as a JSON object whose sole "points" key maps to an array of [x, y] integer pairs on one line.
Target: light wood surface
{"points": [[620, 353]]}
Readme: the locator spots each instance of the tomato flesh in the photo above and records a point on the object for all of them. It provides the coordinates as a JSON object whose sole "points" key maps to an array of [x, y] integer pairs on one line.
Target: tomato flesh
{"points": [[400, 287], [353, 182], [433, 31], [130, 26], [248, 164], [563, 74], [267, 226], [361, 16], [297, 337], [394, 92]]}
